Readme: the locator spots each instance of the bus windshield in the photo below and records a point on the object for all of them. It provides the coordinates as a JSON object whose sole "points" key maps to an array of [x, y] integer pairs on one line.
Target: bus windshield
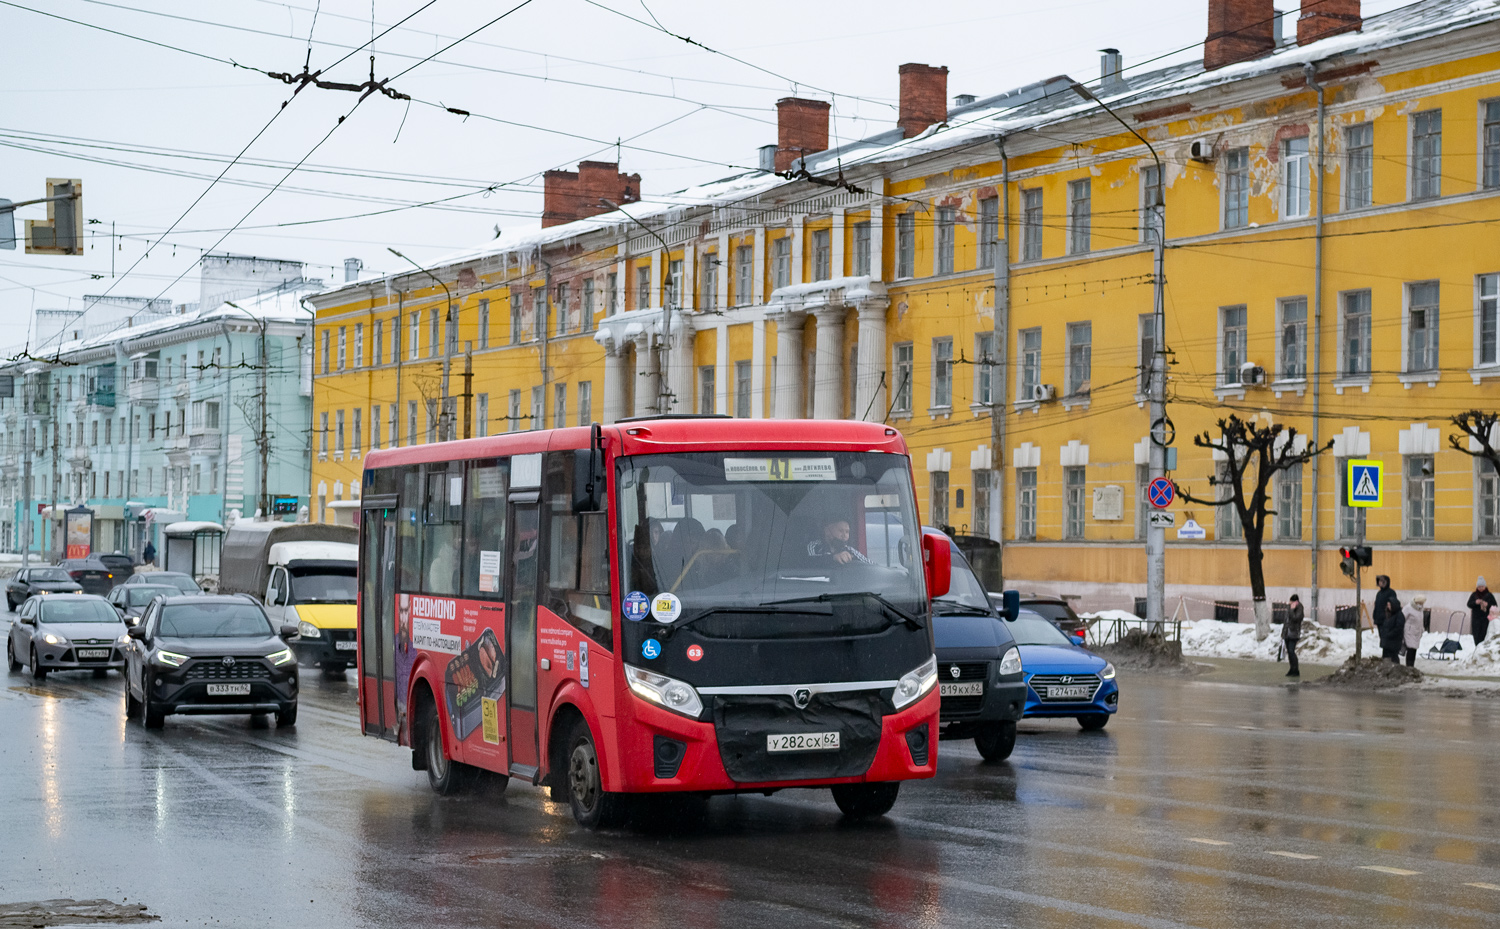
{"points": [[770, 532]]}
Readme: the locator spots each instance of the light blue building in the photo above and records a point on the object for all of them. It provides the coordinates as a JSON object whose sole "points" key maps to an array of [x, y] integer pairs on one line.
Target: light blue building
{"points": [[191, 415]]}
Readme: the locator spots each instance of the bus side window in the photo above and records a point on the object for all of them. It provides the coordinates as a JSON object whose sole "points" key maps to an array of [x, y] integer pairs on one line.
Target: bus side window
{"points": [[410, 541], [484, 528], [441, 529], [577, 582]]}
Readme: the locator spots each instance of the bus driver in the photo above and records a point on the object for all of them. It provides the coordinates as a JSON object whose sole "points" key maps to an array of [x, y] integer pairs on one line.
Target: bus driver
{"points": [[835, 544]]}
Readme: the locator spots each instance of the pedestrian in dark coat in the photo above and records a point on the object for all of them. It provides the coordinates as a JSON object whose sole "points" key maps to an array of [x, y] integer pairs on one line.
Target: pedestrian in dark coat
{"points": [[1481, 601], [148, 556], [1291, 631], [1389, 621]]}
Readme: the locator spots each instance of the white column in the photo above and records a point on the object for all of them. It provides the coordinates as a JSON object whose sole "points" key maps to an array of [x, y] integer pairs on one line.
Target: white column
{"points": [[680, 369], [724, 371], [615, 388], [828, 370], [758, 273], [622, 287], [839, 226], [726, 268], [656, 272], [877, 237], [788, 401], [647, 389], [687, 298], [797, 224], [758, 369], [870, 390]]}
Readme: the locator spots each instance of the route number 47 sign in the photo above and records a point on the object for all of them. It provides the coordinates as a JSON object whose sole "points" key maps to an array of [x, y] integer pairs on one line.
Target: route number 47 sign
{"points": [[1363, 483]]}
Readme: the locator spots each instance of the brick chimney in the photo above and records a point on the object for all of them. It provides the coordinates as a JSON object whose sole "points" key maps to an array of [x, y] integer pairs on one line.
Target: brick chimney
{"points": [[801, 130], [1330, 17], [1238, 30], [924, 98], [570, 195]]}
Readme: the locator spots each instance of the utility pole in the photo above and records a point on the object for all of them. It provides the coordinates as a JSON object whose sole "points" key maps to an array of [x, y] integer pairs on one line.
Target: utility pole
{"points": [[27, 442], [449, 323], [56, 476], [663, 388], [468, 390], [1161, 433]]}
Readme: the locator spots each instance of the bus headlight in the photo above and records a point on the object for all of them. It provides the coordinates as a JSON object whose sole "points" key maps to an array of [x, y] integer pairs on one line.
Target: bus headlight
{"points": [[307, 630], [666, 691], [915, 684], [1010, 663]]}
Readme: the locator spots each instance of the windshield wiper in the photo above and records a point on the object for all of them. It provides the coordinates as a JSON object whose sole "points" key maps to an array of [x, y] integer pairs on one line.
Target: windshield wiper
{"points": [[954, 608], [890, 608]]}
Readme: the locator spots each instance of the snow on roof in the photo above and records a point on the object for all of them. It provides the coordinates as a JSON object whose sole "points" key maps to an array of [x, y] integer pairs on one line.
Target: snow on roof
{"points": [[1047, 101], [188, 527], [283, 552]]}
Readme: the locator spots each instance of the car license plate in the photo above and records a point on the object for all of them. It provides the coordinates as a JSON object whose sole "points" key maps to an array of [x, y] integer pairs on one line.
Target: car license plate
{"points": [[93, 653], [803, 742], [344, 646], [1082, 691], [971, 689], [228, 690]]}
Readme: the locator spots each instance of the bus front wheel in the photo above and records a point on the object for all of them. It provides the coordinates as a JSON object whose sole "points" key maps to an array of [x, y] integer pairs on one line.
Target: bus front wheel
{"points": [[859, 801], [593, 806], [446, 776]]}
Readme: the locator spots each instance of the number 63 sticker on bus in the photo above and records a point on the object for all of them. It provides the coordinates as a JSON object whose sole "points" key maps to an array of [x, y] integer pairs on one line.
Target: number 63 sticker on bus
{"points": [[704, 605]]}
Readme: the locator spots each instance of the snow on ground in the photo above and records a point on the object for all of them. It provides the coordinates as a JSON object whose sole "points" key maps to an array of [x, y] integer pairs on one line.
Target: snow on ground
{"points": [[1208, 638]]}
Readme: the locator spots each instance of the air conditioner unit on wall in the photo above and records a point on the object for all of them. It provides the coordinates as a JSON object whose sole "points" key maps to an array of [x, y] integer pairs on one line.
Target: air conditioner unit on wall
{"points": [[1201, 150], [1042, 392], [1252, 374]]}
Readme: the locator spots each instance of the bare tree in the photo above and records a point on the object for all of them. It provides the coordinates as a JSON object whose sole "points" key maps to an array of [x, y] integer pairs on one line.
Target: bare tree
{"points": [[1271, 449], [1479, 428]]}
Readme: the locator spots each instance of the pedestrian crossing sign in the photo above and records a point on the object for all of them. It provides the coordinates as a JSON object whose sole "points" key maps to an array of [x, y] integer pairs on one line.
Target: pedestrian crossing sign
{"points": [[1363, 483]]}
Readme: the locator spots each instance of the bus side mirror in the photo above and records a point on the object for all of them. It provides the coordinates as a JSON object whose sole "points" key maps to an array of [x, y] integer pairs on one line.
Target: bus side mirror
{"points": [[937, 559], [1012, 605], [588, 474]]}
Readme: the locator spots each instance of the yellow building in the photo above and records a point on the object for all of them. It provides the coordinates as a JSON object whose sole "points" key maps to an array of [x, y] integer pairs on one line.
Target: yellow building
{"points": [[1314, 254]]}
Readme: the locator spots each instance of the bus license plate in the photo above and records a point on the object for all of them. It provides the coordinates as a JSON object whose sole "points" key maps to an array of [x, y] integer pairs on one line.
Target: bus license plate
{"points": [[344, 645], [1056, 692], [803, 742], [93, 653], [228, 690], [971, 689]]}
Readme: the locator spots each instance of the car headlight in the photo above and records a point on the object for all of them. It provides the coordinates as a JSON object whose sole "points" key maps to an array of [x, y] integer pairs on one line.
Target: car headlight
{"points": [[664, 691], [282, 657], [44, 592], [1108, 673], [307, 630], [51, 639], [915, 684], [1010, 663], [170, 659], [123, 640]]}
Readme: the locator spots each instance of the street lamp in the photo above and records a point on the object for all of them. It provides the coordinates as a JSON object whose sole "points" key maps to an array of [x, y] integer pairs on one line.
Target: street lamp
{"points": [[447, 346], [666, 306]]}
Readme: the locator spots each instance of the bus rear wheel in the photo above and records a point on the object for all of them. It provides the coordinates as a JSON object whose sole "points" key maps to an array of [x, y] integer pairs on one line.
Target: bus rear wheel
{"points": [[859, 801], [593, 806], [447, 777]]}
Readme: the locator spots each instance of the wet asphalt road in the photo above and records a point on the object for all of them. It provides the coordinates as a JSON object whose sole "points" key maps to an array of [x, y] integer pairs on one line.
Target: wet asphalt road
{"points": [[1203, 804]]}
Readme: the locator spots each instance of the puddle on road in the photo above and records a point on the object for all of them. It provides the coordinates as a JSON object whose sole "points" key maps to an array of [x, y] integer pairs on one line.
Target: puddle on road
{"points": [[509, 856], [72, 912], [35, 691]]}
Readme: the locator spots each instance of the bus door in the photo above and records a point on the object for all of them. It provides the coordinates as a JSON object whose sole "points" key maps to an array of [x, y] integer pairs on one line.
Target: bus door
{"points": [[524, 552], [377, 620]]}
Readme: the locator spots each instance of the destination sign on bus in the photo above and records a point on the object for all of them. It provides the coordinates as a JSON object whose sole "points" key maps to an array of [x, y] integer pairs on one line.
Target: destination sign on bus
{"points": [[780, 469]]}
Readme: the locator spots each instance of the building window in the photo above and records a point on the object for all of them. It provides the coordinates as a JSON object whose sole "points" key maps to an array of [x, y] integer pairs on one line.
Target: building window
{"points": [[481, 417], [984, 368], [1142, 505], [1289, 503], [781, 262], [901, 358], [432, 421], [744, 275], [611, 294], [1359, 166], [906, 244], [862, 248], [1080, 358], [538, 415], [484, 323], [515, 319], [674, 283], [586, 311], [706, 389], [1026, 504], [944, 244], [411, 422], [1487, 500], [1291, 352], [1030, 369], [1075, 490], [515, 411], [822, 254], [559, 405], [1422, 326], [989, 237], [1150, 218], [585, 403], [359, 345], [1420, 498], [377, 342], [1486, 321], [563, 310], [742, 371], [326, 337], [539, 312], [1427, 155], [1355, 337], [432, 332], [395, 425], [1233, 336], [359, 435], [375, 437], [1236, 188], [709, 283], [942, 372], [1226, 518], [323, 436], [984, 482], [1031, 224], [939, 512], [1296, 178], [642, 286], [1080, 218], [1146, 340], [1490, 140], [415, 336]]}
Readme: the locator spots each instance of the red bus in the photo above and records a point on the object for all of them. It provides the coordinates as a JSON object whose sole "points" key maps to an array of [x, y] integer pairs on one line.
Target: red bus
{"points": [[695, 604]]}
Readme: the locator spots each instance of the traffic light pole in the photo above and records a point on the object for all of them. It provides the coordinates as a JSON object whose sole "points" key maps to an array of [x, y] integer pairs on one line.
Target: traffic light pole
{"points": [[1359, 603]]}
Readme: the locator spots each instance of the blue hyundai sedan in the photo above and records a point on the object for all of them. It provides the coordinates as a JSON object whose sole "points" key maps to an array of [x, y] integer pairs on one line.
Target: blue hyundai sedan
{"points": [[1063, 679]]}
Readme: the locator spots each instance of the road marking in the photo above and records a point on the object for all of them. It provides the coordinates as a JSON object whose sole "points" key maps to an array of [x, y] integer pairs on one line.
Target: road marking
{"points": [[1483, 886], [1207, 841], [1296, 855], [1400, 872]]}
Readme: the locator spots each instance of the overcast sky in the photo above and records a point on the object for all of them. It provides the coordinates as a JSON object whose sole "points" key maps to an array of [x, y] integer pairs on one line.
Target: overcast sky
{"points": [[567, 77]]}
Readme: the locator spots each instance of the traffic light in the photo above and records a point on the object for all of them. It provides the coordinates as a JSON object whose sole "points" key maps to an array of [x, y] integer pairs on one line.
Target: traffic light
{"points": [[1346, 565], [62, 233], [1354, 557]]}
